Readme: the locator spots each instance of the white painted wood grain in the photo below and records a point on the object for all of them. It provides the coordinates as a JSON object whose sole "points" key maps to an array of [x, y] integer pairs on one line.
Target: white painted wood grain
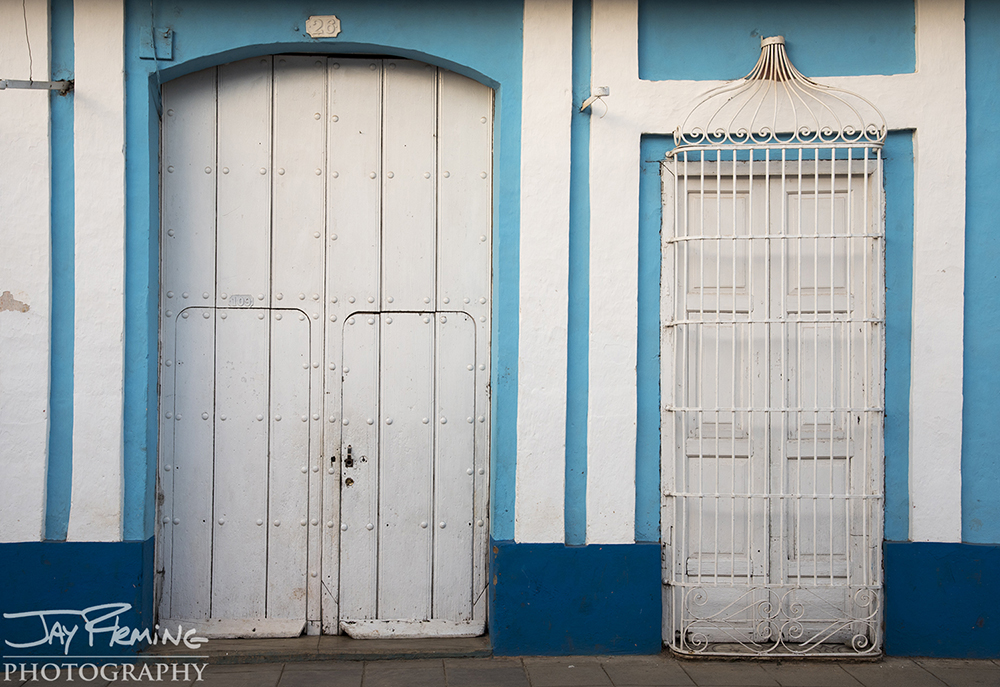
{"points": [[186, 468], [239, 543], [408, 184], [454, 466], [406, 472], [99, 323], [352, 258], [281, 357], [288, 466], [187, 280], [465, 200], [354, 185], [243, 246], [298, 234], [359, 502], [546, 109], [24, 274]]}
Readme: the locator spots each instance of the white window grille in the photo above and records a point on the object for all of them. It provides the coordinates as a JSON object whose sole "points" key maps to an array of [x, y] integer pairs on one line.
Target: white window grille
{"points": [[772, 369]]}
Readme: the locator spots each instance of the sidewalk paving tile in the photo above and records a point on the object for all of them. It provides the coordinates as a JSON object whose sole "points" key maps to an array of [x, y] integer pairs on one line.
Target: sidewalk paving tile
{"points": [[485, 672], [404, 673], [730, 674], [322, 673], [566, 672], [265, 676], [892, 672], [261, 668], [820, 674], [958, 673], [645, 670]]}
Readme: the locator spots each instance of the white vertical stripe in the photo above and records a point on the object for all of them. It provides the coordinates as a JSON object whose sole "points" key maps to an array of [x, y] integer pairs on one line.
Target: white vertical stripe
{"points": [[614, 279], [24, 273], [936, 356], [99, 141], [546, 110]]}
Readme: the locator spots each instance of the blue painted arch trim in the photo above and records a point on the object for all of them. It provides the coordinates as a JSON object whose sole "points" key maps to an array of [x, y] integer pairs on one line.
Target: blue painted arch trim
{"points": [[483, 42]]}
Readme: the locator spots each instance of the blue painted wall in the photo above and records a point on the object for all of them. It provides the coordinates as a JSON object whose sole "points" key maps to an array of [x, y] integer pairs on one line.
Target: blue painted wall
{"points": [[479, 40], [550, 599], [980, 451], [74, 576], [942, 600], [712, 39]]}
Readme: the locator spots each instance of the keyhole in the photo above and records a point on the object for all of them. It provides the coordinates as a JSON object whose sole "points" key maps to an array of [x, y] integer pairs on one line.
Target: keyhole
{"points": [[349, 482]]}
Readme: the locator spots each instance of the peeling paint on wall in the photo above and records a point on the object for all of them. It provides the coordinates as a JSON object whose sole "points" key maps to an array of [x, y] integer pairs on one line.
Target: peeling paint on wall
{"points": [[8, 302]]}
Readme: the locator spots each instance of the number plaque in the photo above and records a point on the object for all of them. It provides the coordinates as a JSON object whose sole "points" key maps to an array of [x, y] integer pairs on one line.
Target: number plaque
{"points": [[323, 26]]}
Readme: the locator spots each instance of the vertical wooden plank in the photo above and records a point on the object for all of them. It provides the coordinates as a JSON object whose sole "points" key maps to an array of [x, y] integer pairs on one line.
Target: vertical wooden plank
{"points": [[408, 182], [298, 256], [353, 206], [454, 465], [239, 550], [405, 467], [354, 136], [464, 257], [188, 468], [359, 469], [244, 180], [288, 465], [187, 276], [465, 198], [299, 185]]}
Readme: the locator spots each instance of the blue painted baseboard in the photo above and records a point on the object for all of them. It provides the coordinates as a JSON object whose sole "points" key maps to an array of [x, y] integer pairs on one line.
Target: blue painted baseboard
{"points": [[74, 576], [556, 600], [942, 600]]}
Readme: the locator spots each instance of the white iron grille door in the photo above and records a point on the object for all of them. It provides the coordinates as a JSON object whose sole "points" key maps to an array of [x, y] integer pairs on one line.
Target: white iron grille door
{"points": [[772, 377]]}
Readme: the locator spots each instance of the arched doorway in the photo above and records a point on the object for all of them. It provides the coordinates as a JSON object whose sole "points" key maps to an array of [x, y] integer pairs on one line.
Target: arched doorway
{"points": [[325, 348]]}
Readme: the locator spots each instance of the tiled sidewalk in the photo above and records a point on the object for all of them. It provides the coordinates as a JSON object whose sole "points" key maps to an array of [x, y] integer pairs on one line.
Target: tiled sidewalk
{"points": [[594, 671]]}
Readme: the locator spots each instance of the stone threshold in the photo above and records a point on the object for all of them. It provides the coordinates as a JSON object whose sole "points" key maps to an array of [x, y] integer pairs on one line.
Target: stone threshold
{"points": [[320, 648]]}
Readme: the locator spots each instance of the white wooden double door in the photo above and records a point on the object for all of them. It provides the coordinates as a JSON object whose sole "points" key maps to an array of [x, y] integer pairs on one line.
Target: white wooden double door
{"points": [[772, 369], [325, 337]]}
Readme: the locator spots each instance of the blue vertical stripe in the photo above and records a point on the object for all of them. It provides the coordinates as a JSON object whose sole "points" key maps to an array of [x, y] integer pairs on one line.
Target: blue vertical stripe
{"points": [[898, 154], [647, 444], [981, 379], [578, 317], [59, 484]]}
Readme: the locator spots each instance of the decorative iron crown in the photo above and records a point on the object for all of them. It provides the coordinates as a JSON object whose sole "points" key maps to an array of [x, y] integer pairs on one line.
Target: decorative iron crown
{"points": [[776, 105]]}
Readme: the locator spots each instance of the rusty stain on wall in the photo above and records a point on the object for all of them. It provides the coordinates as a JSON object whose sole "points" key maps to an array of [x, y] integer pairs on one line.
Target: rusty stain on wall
{"points": [[8, 302]]}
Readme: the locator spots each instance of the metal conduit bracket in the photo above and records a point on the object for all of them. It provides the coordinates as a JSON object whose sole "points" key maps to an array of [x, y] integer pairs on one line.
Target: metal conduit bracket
{"points": [[62, 87], [595, 95]]}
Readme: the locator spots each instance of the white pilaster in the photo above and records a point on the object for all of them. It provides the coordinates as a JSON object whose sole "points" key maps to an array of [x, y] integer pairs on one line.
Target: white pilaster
{"points": [[99, 155], [546, 110]]}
